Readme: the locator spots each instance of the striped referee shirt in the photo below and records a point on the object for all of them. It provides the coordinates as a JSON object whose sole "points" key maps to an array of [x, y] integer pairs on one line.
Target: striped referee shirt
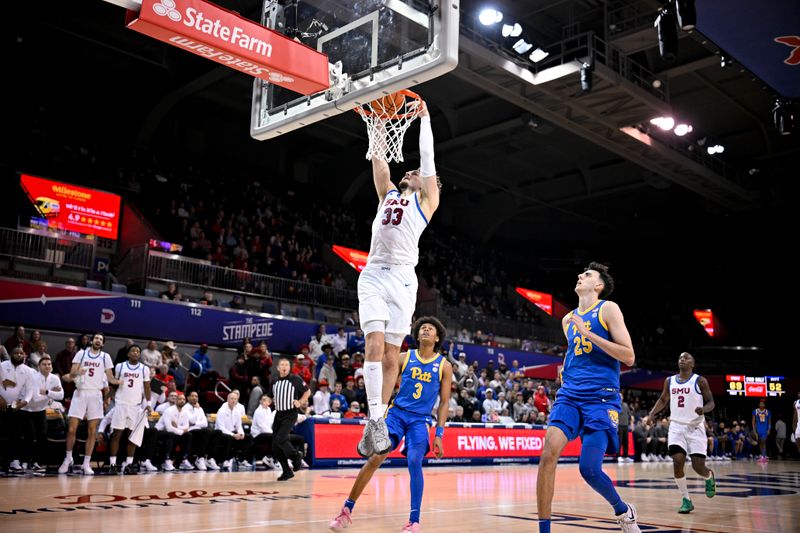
{"points": [[284, 391]]}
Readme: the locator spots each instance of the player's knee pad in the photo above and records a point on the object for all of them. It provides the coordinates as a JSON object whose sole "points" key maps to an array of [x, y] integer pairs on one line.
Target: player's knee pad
{"points": [[395, 339], [374, 326]]}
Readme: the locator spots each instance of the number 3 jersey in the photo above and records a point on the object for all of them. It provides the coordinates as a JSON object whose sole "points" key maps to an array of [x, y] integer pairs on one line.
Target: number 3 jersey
{"points": [[131, 382], [396, 230], [588, 370], [684, 398], [419, 383]]}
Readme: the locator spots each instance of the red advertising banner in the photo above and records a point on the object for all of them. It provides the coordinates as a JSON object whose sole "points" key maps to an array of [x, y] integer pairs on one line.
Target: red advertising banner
{"points": [[355, 258], [706, 319], [542, 300], [74, 208], [223, 36], [759, 390], [338, 441]]}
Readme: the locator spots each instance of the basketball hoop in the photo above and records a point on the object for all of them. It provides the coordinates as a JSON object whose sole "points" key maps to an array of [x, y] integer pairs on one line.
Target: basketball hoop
{"points": [[387, 120]]}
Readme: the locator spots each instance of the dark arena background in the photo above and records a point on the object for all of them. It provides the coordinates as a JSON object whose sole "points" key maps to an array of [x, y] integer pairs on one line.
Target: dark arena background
{"points": [[180, 178]]}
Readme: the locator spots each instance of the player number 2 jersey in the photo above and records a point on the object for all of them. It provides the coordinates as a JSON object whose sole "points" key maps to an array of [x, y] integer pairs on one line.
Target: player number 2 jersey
{"points": [[131, 382], [588, 369], [419, 383], [95, 366], [684, 398], [396, 230]]}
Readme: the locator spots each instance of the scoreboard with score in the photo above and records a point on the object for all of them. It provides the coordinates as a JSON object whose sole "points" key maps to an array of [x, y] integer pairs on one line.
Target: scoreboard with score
{"points": [[755, 386]]}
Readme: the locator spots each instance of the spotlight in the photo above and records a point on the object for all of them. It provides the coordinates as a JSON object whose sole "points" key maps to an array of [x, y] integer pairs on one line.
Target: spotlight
{"points": [[687, 15], [716, 149], [538, 54], [682, 129], [665, 123], [586, 78], [656, 84], [723, 61], [783, 116], [490, 16], [522, 46], [667, 33], [512, 31]]}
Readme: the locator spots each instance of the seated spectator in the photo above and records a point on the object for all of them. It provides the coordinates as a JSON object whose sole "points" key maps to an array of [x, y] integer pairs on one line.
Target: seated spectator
{"points": [[171, 399], [208, 299], [461, 366], [491, 417], [259, 362], [315, 345], [497, 382], [324, 357], [349, 391], [357, 342], [328, 372], [37, 354], [302, 368], [361, 391], [233, 440], [18, 339], [204, 439], [322, 399], [337, 395], [541, 418], [344, 370], [354, 411], [339, 341], [477, 417], [490, 404], [236, 302], [163, 379], [201, 363], [170, 293], [458, 416], [336, 409], [151, 356]]}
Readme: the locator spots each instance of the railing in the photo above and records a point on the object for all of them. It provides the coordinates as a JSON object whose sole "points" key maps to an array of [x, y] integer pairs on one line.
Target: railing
{"points": [[504, 327], [624, 17], [168, 268], [45, 247]]}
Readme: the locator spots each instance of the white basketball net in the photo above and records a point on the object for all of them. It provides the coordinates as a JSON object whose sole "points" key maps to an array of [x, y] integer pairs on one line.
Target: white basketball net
{"points": [[386, 132]]}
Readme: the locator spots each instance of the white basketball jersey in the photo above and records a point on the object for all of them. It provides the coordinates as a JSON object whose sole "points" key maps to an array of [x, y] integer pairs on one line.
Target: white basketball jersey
{"points": [[684, 398], [396, 230], [95, 366], [132, 380]]}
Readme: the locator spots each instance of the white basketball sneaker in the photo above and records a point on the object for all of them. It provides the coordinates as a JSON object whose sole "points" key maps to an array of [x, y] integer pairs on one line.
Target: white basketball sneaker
{"points": [[64, 468], [627, 520]]}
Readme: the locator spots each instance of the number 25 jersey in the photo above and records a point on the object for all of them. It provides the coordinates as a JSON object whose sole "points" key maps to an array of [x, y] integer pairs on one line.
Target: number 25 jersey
{"points": [[396, 230], [587, 368]]}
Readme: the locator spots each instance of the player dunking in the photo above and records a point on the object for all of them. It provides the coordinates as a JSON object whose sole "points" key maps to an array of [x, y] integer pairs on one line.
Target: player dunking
{"points": [[689, 398], [762, 420], [588, 402], [89, 366], [134, 389], [387, 287], [425, 376]]}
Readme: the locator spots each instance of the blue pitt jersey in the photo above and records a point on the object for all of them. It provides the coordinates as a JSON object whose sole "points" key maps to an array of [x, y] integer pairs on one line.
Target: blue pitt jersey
{"points": [[587, 368], [419, 383], [762, 417]]}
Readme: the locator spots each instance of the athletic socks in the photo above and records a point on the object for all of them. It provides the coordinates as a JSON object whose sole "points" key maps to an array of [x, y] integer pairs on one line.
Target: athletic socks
{"points": [[681, 482], [373, 382], [113, 459], [69, 454], [128, 461], [349, 504], [544, 525]]}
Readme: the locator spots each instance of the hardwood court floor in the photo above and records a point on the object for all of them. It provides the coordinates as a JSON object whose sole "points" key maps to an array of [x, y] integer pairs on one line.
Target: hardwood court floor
{"points": [[750, 497]]}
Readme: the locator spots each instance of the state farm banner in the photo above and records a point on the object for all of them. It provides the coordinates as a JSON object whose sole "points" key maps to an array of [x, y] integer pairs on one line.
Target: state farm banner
{"points": [[334, 441], [215, 33]]}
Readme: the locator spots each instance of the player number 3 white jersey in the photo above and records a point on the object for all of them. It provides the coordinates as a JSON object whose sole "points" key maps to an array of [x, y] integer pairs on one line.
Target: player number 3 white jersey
{"points": [[94, 366], [396, 230], [684, 398], [131, 382]]}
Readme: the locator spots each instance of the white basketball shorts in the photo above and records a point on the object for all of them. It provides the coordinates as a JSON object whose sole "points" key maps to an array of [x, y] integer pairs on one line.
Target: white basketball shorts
{"points": [[692, 439], [86, 403], [387, 294], [125, 416]]}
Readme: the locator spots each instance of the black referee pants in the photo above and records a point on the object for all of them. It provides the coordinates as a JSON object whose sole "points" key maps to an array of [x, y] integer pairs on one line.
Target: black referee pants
{"points": [[282, 449]]}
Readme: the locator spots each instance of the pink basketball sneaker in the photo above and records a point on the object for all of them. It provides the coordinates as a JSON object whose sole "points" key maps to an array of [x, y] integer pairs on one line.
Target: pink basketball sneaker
{"points": [[341, 522], [412, 527]]}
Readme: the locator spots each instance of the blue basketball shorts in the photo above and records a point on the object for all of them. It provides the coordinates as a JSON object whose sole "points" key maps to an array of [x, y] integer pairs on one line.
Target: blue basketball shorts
{"points": [[415, 428], [574, 415]]}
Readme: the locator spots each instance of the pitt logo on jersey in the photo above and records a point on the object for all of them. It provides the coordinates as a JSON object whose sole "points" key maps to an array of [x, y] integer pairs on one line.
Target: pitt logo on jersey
{"points": [[614, 417], [419, 375]]}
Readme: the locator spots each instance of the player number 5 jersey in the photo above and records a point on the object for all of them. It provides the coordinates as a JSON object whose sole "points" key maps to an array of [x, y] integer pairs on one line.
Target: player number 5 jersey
{"points": [[684, 398], [95, 368], [396, 230]]}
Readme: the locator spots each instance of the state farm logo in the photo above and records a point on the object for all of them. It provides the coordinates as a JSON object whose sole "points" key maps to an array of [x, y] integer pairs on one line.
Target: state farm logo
{"points": [[277, 77], [167, 9], [107, 316]]}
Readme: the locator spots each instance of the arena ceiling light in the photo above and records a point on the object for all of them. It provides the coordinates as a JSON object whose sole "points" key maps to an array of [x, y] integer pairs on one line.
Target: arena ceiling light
{"points": [[522, 47], [682, 129], [665, 123], [538, 54], [512, 31], [716, 149], [489, 16]]}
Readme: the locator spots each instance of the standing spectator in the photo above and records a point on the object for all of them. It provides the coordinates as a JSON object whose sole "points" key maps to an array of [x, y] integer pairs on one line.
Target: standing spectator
{"points": [[322, 398], [541, 401], [151, 356], [344, 371], [238, 375], [349, 390], [520, 408], [256, 392], [18, 339], [352, 319], [528, 391], [337, 395], [461, 365], [122, 353], [354, 411], [326, 355], [625, 421], [315, 346], [233, 441], [170, 293], [328, 373], [84, 341], [780, 434], [357, 342], [339, 341], [301, 367], [16, 391], [39, 352], [361, 391], [163, 378], [46, 388], [201, 363], [289, 394], [208, 298]]}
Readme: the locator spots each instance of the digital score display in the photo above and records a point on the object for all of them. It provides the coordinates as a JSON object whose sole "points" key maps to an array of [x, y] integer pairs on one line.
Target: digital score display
{"points": [[755, 386]]}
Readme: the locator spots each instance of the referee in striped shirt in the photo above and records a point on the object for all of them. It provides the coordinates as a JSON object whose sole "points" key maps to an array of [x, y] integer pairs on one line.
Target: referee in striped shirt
{"points": [[288, 393]]}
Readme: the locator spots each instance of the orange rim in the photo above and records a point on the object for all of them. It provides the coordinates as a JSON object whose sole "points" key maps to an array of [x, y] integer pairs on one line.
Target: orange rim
{"points": [[405, 92]]}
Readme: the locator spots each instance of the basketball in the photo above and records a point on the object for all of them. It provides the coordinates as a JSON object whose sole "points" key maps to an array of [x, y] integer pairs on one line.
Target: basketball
{"points": [[388, 106]]}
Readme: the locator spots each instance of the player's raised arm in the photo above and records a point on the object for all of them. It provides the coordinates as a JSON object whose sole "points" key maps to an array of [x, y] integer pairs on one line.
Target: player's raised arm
{"points": [[662, 401], [430, 181], [382, 178]]}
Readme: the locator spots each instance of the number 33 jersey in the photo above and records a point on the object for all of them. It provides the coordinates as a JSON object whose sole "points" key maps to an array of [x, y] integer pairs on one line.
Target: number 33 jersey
{"points": [[588, 370], [396, 230]]}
